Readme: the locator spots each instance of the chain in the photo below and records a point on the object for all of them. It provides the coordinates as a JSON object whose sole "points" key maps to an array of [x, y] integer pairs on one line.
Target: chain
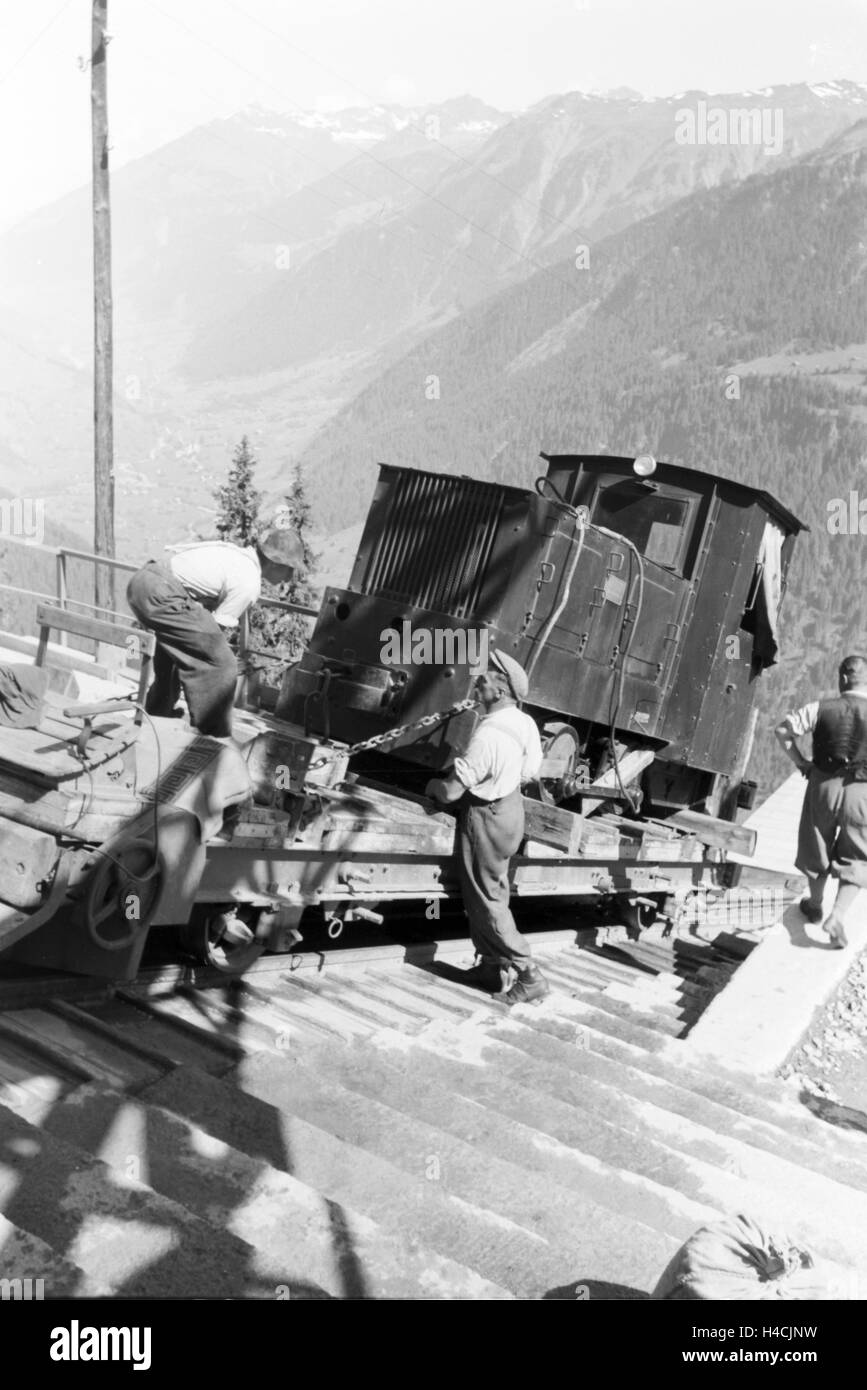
{"points": [[427, 721]]}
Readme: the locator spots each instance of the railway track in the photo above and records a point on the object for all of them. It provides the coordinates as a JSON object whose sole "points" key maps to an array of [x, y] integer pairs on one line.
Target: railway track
{"points": [[373, 1128]]}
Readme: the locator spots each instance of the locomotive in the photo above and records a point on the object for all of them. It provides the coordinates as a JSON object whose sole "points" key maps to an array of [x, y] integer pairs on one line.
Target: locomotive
{"points": [[642, 599]]}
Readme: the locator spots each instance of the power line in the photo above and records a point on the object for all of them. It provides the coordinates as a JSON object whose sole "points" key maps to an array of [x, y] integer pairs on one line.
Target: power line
{"points": [[41, 35]]}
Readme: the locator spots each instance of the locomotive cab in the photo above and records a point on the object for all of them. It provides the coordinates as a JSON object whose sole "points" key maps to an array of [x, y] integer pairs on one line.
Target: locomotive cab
{"points": [[642, 600]]}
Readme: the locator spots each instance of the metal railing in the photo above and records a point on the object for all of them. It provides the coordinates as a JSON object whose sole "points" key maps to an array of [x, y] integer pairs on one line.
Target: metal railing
{"points": [[63, 599]]}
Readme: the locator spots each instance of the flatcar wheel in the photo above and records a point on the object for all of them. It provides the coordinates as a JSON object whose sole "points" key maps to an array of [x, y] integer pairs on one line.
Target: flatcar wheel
{"points": [[223, 937], [562, 750], [636, 917]]}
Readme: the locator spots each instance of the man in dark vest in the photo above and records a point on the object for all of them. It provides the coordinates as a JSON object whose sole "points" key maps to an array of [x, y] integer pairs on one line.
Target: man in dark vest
{"points": [[832, 836]]}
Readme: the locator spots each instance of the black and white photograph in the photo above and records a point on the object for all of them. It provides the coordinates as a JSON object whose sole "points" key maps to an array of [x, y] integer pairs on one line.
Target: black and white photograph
{"points": [[433, 674]]}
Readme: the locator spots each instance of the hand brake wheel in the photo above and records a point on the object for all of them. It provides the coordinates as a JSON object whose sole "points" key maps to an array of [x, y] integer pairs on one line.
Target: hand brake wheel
{"points": [[122, 893]]}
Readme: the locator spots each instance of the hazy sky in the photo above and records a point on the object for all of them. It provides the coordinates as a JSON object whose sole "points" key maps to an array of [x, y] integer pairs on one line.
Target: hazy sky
{"points": [[176, 63]]}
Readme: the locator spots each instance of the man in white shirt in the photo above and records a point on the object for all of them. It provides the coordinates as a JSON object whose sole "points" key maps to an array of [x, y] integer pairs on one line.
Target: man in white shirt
{"points": [[187, 604], [832, 836], [504, 752]]}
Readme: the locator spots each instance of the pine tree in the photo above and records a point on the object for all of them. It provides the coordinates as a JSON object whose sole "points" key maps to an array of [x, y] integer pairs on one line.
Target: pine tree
{"points": [[285, 635], [238, 501]]}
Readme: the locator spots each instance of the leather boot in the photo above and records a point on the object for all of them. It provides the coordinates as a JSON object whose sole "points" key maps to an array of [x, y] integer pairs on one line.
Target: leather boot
{"points": [[529, 988], [486, 975]]}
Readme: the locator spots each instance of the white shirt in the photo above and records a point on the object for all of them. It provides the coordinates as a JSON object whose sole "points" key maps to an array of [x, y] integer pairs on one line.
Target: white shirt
{"points": [[504, 751], [225, 578], [803, 721]]}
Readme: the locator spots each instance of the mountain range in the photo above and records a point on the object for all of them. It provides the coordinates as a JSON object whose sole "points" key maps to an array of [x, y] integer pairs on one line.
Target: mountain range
{"points": [[457, 288]]}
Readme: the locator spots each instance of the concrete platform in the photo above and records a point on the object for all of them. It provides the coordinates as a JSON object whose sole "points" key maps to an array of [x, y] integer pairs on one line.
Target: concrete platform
{"points": [[771, 1001]]}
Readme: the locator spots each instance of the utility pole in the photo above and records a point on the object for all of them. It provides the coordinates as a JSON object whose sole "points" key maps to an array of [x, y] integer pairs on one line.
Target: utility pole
{"points": [[103, 474]]}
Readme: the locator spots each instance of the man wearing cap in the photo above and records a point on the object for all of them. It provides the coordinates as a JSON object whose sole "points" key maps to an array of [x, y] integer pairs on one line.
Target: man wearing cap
{"points": [[504, 751], [832, 835], [188, 602]]}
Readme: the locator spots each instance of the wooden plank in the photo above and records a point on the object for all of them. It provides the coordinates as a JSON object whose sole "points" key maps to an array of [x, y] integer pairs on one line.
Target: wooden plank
{"points": [[549, 825], [63, 660], [97, 629], [27, 857], [719, 834], [49, 751], [607, 787], [39, 753]]}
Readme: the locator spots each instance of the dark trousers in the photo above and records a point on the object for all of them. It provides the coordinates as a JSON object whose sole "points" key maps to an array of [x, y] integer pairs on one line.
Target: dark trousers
{"points": [[191, 654], [489, 833]]}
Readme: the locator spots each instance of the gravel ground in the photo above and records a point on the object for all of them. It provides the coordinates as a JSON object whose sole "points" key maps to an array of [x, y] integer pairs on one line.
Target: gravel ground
{"points": [[830, 1065]]}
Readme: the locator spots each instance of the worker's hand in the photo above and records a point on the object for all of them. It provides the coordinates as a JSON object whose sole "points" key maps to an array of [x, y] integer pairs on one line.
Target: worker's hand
{"points": [[805, 767], [435, 789]]}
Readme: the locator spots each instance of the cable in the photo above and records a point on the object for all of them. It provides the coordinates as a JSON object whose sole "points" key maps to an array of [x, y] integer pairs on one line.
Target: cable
{"points": [[551, 621], [632, 801], [42, 32], [544, 484], [140, 878]]}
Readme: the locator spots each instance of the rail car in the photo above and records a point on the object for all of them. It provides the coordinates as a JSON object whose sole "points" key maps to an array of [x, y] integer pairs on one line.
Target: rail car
{"points": [[643, 601]]}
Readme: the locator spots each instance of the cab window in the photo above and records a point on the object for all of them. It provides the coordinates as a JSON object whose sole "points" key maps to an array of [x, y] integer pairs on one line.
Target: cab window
{"points": [[656, 524]]}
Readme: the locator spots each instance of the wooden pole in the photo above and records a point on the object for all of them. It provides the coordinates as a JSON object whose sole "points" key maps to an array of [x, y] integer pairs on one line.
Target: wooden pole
{"points": [[102, 337]]}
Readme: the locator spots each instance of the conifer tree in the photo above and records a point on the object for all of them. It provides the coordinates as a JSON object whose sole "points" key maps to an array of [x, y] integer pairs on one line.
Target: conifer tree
{"points": [[238, 500], [286, 634]]}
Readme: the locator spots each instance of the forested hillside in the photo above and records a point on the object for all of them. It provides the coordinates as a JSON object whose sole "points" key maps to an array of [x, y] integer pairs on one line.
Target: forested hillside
{"points": [[638, 352]]}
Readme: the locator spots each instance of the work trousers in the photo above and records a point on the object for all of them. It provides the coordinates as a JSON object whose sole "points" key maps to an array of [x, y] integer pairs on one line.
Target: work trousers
{"points": [[191, 653], [850, 850], [819, 820], [489, 833], [832, 835]]}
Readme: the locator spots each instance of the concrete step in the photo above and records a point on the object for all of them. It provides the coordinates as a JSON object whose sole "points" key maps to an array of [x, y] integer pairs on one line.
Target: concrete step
{"points": [[316, 1244], [484, 1228], [608, 965], [516, 1193], [645, 1138], [104, 1059], [177, 1045], [621, 1023], [421, 1085], [352, 993], [126, 1238], [590, 1053], [764, 1099], [650, 1000], [23, 1256]]}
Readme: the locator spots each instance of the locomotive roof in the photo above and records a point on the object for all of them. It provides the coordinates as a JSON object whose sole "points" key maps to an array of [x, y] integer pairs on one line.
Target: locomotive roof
{"points": [[685, 477]]}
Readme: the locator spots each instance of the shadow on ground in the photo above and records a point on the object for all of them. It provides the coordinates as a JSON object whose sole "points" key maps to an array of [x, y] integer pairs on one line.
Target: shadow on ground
{"points": [[833, 1113]]}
